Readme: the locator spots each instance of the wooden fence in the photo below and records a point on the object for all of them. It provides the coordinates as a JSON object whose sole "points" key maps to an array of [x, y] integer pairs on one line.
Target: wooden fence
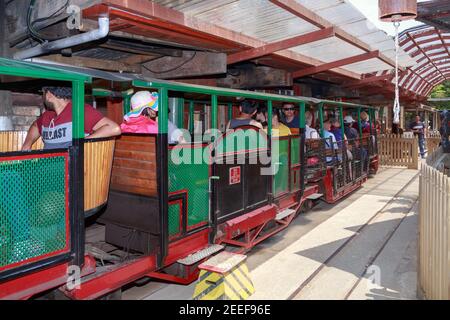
{"points": [[432, 140], [434, 232], [394, 150]]}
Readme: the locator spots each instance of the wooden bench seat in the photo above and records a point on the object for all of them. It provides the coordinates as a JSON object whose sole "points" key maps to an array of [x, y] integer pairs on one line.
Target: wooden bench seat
{"points": [[134, 166]]}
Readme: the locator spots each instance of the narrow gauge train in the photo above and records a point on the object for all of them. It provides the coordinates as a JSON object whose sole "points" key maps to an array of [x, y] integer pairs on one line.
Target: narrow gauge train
{"points": [[109, 212]]}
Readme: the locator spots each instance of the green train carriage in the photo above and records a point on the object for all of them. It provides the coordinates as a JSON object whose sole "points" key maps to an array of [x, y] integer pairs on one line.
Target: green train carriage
{"points": [[149, 215]]}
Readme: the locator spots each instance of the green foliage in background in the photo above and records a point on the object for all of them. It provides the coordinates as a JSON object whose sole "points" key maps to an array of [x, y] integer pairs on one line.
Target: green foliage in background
{"points": [[441, 91]]}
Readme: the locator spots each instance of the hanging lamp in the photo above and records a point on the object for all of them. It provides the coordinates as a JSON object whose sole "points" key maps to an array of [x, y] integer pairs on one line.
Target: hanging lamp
{"points": [[396, 11]]}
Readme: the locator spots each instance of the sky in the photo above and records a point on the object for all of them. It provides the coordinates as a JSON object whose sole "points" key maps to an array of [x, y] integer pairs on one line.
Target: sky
{"points": [[370, 9]]}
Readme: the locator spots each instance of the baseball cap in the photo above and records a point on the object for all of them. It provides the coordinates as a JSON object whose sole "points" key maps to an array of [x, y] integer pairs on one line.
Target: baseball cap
{"points": [[59, 92], [140, 101], [248, 106], [348, 119]]}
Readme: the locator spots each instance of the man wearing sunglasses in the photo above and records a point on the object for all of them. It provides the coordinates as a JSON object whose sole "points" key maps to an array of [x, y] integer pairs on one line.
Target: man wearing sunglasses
{"points": [[290, 119]]}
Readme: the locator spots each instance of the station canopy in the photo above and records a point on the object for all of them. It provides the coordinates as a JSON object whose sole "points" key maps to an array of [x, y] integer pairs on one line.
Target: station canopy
{"points": [[276, 20], [328, 40], [428, 45]]}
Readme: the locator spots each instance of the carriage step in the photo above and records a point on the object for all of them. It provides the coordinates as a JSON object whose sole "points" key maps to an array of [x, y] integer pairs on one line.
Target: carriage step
{"points": [[314, 196], [200, 255], [285, 213]]}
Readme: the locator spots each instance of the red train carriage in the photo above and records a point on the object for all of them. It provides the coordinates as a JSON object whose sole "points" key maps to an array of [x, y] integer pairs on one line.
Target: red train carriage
{"points": [[343, 161]]}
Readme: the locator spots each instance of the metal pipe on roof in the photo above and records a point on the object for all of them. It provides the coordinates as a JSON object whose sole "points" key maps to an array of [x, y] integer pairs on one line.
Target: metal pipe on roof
{"points": [[93, 35]]}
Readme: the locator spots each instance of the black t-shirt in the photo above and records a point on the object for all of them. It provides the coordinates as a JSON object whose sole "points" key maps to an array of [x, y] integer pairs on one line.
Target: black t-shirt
{"points": [[418, 126]]}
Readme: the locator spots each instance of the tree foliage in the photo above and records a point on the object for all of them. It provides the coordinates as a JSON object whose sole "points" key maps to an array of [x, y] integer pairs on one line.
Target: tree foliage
{"points": [[441, 91]]}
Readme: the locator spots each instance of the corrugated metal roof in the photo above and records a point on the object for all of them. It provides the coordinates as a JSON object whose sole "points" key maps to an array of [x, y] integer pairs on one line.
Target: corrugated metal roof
{"points": [[267, 22]]}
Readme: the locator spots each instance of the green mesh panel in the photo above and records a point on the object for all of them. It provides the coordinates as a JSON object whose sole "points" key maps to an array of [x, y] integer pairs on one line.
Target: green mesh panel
{"points": [[174, 218], [281, 177], [191, 177], [32, 208], [295, 151]]}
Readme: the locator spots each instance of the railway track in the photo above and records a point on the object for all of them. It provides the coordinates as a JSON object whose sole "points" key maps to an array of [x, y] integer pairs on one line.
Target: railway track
{"points": [[319, 274]]}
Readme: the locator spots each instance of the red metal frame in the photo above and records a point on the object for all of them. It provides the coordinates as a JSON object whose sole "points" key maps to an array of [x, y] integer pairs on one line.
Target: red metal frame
{"points": [[34, 283], [114, 279], [192, 275], [251, 225], [101, 284], [330, 196], [67, 214]]}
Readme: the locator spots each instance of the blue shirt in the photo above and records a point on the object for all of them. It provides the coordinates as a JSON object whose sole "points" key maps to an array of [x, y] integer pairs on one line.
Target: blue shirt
{"points": [[338, 135], [295, 123]]}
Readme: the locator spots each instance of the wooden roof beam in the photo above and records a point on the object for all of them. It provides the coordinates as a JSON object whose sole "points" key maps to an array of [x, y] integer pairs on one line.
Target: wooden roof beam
{"points": [[281, 45], [443, 42], [369, 80], [335, 64], [304, 13]]}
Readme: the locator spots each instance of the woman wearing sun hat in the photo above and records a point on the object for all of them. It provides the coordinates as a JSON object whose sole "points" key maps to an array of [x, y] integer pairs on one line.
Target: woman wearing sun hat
{"points": [[143, 117]]}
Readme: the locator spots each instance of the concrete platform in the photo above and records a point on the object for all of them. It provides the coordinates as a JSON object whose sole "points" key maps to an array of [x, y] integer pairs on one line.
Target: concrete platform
{"points": [[397, 264]]}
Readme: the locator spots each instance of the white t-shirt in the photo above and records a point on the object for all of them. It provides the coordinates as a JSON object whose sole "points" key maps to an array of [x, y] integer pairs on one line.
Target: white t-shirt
{"points": [[311, 133], [173, 133]]}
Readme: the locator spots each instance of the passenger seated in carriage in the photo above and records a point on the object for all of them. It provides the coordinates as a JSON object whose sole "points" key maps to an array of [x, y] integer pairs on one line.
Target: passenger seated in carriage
{"points": [[143, 117], [310, 133], [358, 152], [365, 124], [330, 140], [337, 131], [55, 124], [278, 128], [290, 119], [341, 140], [248, 110], [350, 132]]}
